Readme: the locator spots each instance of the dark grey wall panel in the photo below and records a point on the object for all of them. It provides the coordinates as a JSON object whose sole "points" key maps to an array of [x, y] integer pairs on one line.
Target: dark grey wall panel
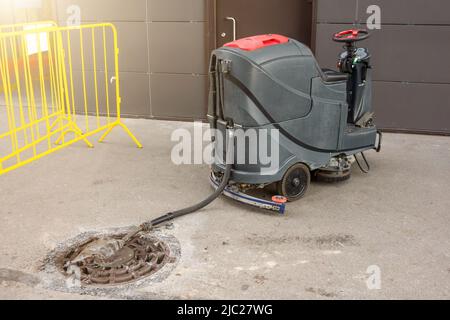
{"points": [[409, 11], [134, 91], [176, 10], [177, 47], [392, 11], [400, 53], [178, 96], [135, 94], [332, 11], [78, 92], [106, 10], [177, 58], [421, 107], [411, 53], [159, 40], [133, 48], [410, 62], [133, 56]]}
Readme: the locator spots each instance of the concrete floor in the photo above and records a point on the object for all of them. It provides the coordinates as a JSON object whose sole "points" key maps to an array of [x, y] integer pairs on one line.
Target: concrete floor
{"points": [[397, 218]]}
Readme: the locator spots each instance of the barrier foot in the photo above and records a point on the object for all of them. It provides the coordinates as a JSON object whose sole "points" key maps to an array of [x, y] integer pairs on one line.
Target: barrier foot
{"points": [[107, 132], [136, 141], [125, 128], [77, 132]]}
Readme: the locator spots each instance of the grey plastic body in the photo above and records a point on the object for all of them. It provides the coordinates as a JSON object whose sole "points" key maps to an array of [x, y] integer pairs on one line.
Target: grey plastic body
{"points": [[281, 87]]}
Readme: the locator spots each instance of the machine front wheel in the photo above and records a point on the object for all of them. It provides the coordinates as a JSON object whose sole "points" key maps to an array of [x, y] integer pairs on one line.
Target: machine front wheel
{"points": [[295, 182]]}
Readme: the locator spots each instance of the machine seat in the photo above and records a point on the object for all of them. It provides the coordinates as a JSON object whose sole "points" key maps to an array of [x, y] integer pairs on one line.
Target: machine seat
{"points": [[329, 75]]}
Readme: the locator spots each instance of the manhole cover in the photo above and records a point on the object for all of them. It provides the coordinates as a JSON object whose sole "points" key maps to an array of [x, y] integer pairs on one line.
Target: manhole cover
{"points": [[102, 261]]}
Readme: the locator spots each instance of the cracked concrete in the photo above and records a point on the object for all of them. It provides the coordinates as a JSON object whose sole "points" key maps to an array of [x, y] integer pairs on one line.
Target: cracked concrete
{"points": [[397, 218]]}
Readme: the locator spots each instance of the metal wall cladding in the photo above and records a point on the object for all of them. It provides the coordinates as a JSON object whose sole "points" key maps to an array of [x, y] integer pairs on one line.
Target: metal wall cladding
{"points": [[163, 59], [393, 11], [163, 53], [414, 12], [177, 47], [329, 11], [106, 10], [409, 58], [169, 47], [176, 10], [177, 33], [418, 106], [179, 96], [399, 53]]}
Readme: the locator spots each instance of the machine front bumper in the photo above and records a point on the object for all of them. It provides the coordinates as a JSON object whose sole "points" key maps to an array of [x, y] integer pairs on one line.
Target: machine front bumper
{"points": [[239, 196]]}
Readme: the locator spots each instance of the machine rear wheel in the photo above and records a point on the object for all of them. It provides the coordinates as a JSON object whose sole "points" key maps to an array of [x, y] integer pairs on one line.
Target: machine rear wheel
{"points": [[295, 182]]}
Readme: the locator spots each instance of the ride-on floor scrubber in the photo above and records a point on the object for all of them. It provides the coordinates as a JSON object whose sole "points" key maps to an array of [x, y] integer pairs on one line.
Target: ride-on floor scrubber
{"points": [[324, 117]]}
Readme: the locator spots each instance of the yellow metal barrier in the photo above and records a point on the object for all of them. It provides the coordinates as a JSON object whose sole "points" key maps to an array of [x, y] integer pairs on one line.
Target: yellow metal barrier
{"points": [[27, 26], [59, 85], [22, 27]]}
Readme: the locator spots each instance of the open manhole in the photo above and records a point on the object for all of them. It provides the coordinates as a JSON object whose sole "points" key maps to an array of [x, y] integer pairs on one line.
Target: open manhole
{"points": [[104, 261]]}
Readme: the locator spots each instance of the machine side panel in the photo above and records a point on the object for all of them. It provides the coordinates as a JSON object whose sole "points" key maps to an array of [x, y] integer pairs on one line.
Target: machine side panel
{"points": [[280, 100], [320, 129]]}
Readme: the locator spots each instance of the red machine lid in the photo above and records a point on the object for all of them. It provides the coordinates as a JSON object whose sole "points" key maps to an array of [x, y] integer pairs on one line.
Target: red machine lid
{"points": [[257, 42]]}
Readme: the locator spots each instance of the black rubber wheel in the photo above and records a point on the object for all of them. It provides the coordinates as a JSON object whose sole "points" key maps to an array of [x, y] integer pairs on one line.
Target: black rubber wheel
{"points": [[333, 177], [295, 182]]}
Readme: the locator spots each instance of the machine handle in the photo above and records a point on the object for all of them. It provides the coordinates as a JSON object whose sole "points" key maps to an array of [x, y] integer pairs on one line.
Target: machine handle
{"points": [[233, 20], [380, 140]]}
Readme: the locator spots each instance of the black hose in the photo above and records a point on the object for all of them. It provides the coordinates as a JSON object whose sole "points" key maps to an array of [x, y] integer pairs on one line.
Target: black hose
{"points": [[225, 179], [176, 214], [147, 226]]}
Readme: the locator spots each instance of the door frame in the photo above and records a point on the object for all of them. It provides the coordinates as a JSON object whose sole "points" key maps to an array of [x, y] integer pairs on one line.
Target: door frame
{"points": [[211, 32]]}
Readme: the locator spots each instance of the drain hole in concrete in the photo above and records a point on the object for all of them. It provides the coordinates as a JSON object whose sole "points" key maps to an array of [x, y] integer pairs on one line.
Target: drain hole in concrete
{"points": [[103, 261]]}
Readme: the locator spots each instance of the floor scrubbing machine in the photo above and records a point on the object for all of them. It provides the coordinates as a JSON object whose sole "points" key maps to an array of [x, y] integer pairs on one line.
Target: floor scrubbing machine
{"points": [[324, 118], [319, 120]]}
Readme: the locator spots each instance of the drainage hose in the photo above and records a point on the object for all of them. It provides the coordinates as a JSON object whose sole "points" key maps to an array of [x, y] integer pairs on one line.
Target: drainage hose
{"points": [[225, 179], [147, 226]]}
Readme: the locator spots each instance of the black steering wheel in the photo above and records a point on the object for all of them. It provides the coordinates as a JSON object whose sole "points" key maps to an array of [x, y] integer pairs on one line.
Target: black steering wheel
{"points": [[350, 36]]}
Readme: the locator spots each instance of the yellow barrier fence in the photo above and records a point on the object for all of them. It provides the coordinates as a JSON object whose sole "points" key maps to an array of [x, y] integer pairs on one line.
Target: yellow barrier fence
{"points": [[59, 85], [5, 28], [22, 27]]}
